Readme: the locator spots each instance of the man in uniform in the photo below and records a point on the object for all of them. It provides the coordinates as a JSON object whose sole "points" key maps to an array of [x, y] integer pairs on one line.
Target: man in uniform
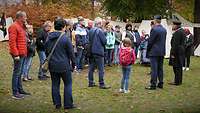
{"points": [[156, 52], [177, 52]]}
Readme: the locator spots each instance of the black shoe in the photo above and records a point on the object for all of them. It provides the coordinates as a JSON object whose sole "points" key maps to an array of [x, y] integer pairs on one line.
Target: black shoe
{"points": [[24, 93], [104, 87], [172, 83], [150, 88], [57, 106], [92, 85], [160, 86]]}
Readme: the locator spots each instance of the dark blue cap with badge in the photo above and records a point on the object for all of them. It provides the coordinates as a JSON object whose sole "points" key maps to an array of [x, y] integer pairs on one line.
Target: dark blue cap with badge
{"points": [[158, 17]]}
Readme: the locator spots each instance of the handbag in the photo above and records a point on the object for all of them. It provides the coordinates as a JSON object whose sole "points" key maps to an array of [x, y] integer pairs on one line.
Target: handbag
{"points": [[45, 65]]}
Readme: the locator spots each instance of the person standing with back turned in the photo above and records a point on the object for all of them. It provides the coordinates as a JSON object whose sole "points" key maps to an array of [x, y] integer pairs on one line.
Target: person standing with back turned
{"points": [[97, 39], [156, 52], [61, 63]]}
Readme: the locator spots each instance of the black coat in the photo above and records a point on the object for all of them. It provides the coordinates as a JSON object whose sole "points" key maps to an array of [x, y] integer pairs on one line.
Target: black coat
{"points": [[30, 45], [188, 45], [41, 39], [177, 48]]}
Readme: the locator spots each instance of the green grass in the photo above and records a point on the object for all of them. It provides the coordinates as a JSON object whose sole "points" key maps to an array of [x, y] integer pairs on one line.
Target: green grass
{"points": [[172, 99]]}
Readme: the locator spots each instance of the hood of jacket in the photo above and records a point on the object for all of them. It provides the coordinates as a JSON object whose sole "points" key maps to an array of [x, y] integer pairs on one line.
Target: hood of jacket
{"points": [[54, 35]]}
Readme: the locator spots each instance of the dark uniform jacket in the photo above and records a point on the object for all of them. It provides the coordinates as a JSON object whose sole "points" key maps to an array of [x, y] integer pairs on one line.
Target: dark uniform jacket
{"points": [[156, 41], [177, 47]]}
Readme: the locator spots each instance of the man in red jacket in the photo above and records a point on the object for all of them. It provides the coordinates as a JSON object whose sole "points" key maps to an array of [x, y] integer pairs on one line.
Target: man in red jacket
{"points": [[18, 51]]}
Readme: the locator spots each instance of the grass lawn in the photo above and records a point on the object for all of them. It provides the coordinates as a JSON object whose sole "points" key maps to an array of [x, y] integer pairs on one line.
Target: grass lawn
{"points": [[172, 99]]}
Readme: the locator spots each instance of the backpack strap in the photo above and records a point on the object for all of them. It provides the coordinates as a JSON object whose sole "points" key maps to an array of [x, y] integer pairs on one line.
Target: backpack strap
{"points": [[48, 58]]}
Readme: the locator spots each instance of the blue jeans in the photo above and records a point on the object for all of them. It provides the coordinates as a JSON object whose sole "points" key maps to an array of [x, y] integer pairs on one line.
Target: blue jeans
{"points": [[143, 56], [99, 62], [156, 70], [109, 56], [79, 58], [67, 80], [126, 70], [16, 77], [27, 66], [42, 57], [116, 54]]}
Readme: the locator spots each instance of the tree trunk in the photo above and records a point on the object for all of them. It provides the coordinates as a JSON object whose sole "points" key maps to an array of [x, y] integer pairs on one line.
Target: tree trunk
{"points": [[93, 10], [196, 20]]}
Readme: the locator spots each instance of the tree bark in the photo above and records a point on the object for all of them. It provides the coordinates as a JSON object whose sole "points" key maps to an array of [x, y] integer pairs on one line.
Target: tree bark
{"points": [[196, 20]]}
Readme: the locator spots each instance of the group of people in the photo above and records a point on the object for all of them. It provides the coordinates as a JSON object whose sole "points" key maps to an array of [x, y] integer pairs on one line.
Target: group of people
{"points": [[181, 50], [71, 46]]}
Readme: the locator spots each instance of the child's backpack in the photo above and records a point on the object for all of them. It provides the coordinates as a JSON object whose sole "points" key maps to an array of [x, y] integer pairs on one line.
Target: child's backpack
{"points": [[126, 56]]}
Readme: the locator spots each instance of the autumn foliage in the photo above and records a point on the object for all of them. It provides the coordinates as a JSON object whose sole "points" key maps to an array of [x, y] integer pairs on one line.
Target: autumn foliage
{"points": [[38, 14]]}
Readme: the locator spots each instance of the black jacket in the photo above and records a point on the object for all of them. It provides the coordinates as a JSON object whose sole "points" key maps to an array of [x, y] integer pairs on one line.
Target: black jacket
{"points": [[178, 42], [177, 48], [41, 39], [30, 45], [188, 45]]}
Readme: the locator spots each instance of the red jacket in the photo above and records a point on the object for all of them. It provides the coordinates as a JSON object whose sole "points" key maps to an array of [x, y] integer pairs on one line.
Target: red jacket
{"points": [[17, 39]]}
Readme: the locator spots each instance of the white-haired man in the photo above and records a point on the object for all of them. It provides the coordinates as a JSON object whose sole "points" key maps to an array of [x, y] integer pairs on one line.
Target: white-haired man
{"points": [[97, 40]]}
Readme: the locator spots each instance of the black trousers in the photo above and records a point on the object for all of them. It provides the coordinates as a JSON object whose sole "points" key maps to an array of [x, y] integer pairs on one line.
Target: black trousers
{"points": [[178, 72], [186, 62]]}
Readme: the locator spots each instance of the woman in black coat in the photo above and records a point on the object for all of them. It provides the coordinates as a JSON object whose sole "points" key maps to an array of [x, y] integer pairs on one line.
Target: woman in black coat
{"points": [[188, 49]]}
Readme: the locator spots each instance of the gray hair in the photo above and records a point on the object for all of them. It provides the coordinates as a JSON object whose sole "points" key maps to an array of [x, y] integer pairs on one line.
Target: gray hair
{"points": [[98, 20], [20, 14]]}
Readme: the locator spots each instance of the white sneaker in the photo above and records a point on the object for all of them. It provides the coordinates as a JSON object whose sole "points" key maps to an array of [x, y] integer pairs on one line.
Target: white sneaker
{"points": [[187, 69], [126, 91], [183, 68], [121, 90]]}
